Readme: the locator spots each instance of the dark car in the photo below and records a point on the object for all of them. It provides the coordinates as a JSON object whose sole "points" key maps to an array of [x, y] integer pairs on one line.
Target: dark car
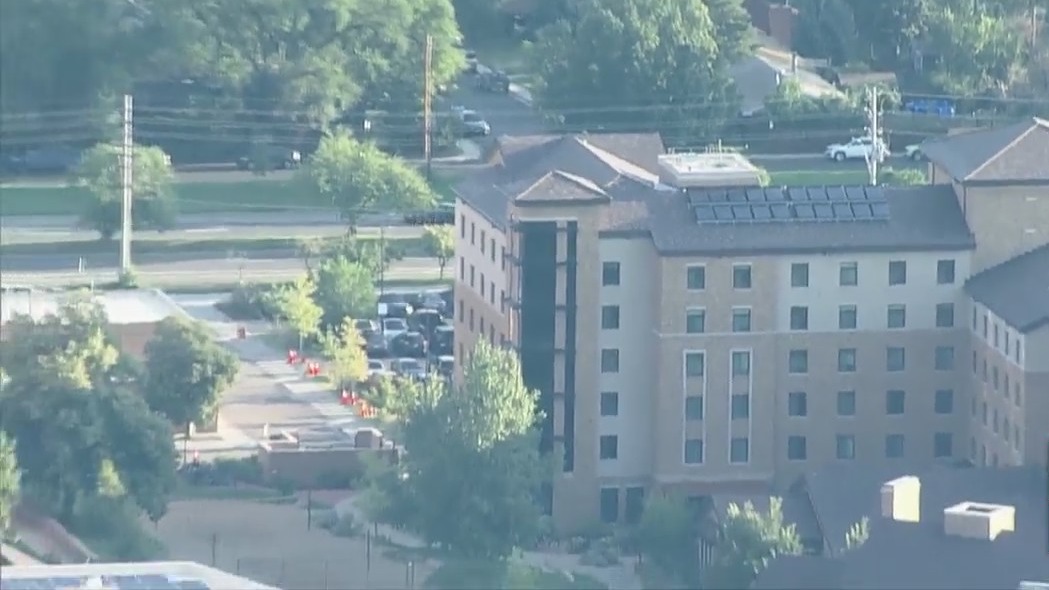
{"points": [[398, 309], [432, 300], [443, 214], [443, 340], [444, 365], [269, 157], [425, 321], [409, 368], [409, 345], [375, 346], [448, 296], [366, 328], [494, 81]]}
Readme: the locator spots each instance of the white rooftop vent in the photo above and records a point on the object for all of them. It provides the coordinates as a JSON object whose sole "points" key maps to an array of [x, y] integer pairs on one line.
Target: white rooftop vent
{"points": [[1033, 586], [973, 520], [693, 170], [901, 499]]}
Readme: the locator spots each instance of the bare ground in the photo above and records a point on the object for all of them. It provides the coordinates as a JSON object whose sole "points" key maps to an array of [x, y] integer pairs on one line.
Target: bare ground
{"points": [[269, 543]]}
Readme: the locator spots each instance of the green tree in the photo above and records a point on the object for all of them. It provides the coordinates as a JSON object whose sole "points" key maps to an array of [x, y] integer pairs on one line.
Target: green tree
{"points": [[980, 53], [667, 536], [100, 173], [298, 307], [440, 243], [344, 289], [747, 541], [639, 65], [472, 472], [187, 372], [344, 349], [357, 177], [74, 342], [10, 481]]}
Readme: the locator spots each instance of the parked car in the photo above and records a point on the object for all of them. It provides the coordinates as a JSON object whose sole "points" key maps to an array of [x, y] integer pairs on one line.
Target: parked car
{"points": [[392, 327], [442, 342], [930, 106], [471, 123], [366, 328], [448, 295], [409, 344], [270, 157], [425, 321], [494, 81], [443, 214], [858, 148], [409, 368], [914, 152], [432, 300], [444, 365], [376, 347]]}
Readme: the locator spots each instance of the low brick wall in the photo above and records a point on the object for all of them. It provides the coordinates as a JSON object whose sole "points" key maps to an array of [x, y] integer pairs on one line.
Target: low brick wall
{"points": [[309, 467]]}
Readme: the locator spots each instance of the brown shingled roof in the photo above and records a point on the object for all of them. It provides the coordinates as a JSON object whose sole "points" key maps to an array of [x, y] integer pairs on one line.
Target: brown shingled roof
{"points": [[1017, 152]]}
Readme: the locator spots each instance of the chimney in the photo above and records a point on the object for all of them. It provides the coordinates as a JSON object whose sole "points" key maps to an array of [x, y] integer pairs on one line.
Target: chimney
{"points": [[901, 499], [973, 520]]}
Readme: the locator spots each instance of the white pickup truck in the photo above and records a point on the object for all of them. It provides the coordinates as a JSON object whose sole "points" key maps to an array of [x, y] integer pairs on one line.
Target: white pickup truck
{"points": [[858, 148]]}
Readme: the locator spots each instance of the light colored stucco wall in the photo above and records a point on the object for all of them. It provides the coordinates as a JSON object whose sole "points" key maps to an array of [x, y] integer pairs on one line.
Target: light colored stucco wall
{"points": [[1006, 221]]}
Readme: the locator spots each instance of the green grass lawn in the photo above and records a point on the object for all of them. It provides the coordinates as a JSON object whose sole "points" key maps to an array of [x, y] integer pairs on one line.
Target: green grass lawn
{"points": [[818, 177], [410, 247], [192, 197], [480, 575]]}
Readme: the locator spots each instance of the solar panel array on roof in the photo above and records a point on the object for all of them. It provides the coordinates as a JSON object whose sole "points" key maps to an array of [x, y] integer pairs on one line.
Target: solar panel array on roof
{"points": [[140, 582], [795, 203]]}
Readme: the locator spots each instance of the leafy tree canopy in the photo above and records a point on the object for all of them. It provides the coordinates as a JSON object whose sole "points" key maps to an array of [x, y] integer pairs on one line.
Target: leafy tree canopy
{"points": [[747, 541], [10, 480], [633, 64], [472, 472], [344, 289], [100, 173]]}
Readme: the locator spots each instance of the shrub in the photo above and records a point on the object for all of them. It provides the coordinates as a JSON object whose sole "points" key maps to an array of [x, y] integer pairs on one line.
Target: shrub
{"points": [[111, 527]]}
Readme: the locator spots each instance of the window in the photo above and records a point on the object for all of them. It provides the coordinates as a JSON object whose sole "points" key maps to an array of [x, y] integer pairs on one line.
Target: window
{"points": [[846, 317], [740, 363], [491, 293], [985, 326], [502, 257], [609, 504], [944, 358], [848, 274], [462, 225], [696, 278], [975, 320], [484, 240], [945, 272], [483, 285], [741, 319], [942, 445], [481, 330], [897, 272], [491, 250], [845, 447], [798, 361], [462, 311], [741, 278], [462, 268], [473, 274], [895, 359], [694, 364], [897, 317], [796, 448], [609, 403], [609, 317], [739, 450], [610, 274], [740, 406], [895, 400], [846, 403], [797, 404], [609, 447], [695, 321], [609, 360], [944, 401], [471, 319], [799, 318], [894, 446], [693, 451], [694, 408], [635, 504], [944, 315], [799, 274], [473, 233], [996, 335], [846, 360]]}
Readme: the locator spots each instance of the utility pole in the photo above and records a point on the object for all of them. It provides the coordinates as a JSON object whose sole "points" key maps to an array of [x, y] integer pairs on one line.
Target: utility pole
{"points": [[874, 132], [427, 110], [127, 179]]}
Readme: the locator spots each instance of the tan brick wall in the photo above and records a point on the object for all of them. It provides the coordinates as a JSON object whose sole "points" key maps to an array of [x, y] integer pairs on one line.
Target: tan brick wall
{"points": [[1006, 221]]}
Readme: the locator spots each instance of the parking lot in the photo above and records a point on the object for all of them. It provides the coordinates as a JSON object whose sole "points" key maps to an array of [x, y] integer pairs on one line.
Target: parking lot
{"points": [[412, 336]]}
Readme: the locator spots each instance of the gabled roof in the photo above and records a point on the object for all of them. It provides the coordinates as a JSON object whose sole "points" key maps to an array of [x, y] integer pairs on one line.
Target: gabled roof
{"points": [[1016, 290], [558, 186], [1017, 152]]}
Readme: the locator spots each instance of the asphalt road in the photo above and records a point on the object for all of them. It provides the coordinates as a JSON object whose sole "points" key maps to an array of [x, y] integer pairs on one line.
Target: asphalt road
{"points": [[209, 226], [163, 270]]}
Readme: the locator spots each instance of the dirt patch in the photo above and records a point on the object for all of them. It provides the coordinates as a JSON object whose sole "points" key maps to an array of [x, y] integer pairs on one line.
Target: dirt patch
{"points": [[270, 544]]}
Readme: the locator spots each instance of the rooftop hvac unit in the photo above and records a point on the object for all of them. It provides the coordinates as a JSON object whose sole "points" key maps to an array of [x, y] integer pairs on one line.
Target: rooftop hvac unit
{"points": [[1034, 586]]}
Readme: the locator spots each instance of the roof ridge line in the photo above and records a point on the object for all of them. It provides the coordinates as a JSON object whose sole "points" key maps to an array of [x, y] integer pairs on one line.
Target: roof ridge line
{"points": [[1002, 151]]}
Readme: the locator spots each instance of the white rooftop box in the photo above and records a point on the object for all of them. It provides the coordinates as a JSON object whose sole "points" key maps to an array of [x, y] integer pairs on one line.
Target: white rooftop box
{"points": [[973, 520], [697, 170]]}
